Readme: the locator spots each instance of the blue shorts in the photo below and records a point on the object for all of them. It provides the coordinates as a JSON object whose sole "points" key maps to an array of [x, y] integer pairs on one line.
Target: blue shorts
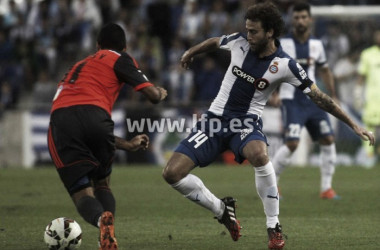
{"points": [[311, 116], [213, 135]]}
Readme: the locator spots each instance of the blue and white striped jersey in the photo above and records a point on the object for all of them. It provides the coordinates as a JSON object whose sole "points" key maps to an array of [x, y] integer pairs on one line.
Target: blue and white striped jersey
{"points": [[309, 55], [250, 80]]}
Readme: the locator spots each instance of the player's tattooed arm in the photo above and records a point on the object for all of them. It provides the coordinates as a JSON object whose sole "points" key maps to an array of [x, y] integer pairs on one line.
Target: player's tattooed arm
{"points": [[322, 100], [325, 102], [137, 142]]}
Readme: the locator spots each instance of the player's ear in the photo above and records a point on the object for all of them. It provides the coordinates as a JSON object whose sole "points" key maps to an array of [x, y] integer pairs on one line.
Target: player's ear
{"points": [[98, 46], [124, 49], [270, 33]]}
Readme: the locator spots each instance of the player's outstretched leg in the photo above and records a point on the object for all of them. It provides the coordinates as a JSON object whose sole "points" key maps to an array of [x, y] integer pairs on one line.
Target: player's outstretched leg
{"points": [[229, 218], [176, 173], [107, 232], [276, 238]]}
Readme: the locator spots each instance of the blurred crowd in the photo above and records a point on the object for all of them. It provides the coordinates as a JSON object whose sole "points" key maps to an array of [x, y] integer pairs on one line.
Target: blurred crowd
{"points": [[40, 40]]}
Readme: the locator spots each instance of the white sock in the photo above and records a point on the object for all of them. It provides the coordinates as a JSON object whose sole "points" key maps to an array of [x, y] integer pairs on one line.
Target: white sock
{"points": [[327, 160], [267, 189], [280, 160], [193, 189]]}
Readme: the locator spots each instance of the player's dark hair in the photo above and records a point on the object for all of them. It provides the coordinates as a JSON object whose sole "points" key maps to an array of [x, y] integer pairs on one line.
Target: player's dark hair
{"points": [[112, 36], [302, 7], [269, 16]]}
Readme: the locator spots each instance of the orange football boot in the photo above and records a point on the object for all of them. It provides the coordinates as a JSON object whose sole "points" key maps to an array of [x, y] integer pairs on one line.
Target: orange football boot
{"points": [[330, 194], [107, 232]]}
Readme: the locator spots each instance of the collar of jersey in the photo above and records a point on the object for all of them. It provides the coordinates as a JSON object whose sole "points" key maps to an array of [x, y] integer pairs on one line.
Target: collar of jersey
{"points": [[275, 54]]}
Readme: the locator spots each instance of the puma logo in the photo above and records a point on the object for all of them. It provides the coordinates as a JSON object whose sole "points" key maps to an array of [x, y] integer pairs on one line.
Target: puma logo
{"points": [[273, 197], [242, 49], [196, 199]]}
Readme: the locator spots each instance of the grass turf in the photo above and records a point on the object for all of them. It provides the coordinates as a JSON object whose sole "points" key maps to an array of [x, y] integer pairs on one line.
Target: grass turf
{"points": [[150, 215]]}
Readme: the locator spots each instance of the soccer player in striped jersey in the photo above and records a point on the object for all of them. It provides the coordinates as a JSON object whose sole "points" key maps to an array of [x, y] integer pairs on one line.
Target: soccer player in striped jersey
{"points": [[258, 66], [298, 110]]}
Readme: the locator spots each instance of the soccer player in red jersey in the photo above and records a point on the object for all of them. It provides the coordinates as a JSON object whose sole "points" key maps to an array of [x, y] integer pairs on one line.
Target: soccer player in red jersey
{"points": [[80, 138]]}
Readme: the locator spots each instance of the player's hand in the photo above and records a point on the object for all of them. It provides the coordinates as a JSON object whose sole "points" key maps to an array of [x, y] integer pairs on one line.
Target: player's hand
{"points": [[139, 141], [365, 135], [186, 59], [163, 92]]}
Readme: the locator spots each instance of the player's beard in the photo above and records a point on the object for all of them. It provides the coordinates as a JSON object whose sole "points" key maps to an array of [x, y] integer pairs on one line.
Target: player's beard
{"points": [[300, 29], [260, 46]]}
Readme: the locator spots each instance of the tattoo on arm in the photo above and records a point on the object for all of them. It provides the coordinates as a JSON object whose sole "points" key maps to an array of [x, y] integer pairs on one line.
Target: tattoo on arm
{"points": [[322, 100]]}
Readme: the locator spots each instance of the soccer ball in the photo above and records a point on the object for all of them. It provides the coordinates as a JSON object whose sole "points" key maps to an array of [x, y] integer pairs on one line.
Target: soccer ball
{"points": [[63, 234]]}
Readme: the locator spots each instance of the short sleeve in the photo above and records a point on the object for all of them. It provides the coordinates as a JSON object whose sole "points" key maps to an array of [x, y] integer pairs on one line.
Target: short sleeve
{"points": [[227, 41], [322, 60], [363, 65], [296, 76], [126, 70]]}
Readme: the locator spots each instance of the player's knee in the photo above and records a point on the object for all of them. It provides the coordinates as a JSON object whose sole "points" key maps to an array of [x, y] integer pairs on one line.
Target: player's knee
{"points": [[171, 174], [178, 167], [262, 159], [168, 174], [258, 158], [292, 145]]}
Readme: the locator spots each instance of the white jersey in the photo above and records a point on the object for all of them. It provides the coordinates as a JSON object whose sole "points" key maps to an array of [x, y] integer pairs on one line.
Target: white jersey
{"points": [[250, 80], [309, 55]]}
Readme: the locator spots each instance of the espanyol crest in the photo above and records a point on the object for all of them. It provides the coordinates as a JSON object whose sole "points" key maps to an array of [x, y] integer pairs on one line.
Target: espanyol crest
{"points": [[273, 69]]}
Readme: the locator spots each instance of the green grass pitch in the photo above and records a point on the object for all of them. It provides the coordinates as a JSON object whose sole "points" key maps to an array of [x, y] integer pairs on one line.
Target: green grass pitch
{"points": [[150, 215]]}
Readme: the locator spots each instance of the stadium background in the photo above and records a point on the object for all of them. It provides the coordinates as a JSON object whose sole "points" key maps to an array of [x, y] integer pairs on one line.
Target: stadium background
{"points": [[40, 40]]}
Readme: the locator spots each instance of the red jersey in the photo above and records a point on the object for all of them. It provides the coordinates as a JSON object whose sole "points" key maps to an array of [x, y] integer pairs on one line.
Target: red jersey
{"points": [[97, 80]]}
